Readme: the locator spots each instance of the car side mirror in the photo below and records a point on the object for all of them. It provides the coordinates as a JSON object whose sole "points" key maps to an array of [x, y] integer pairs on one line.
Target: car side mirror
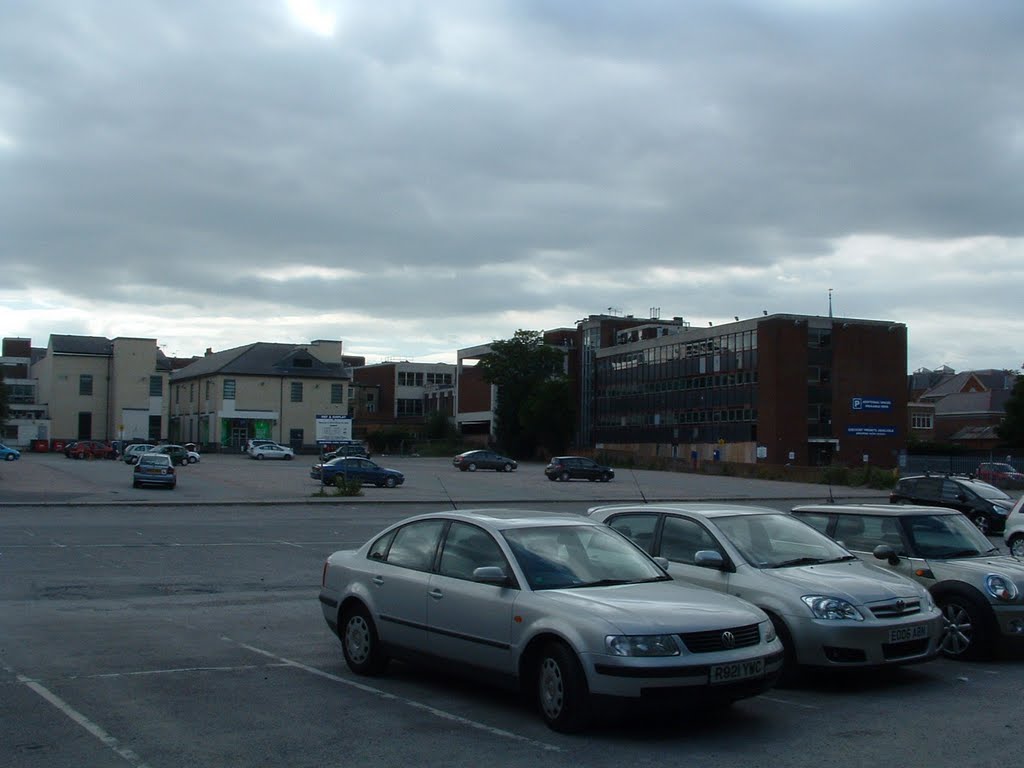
{"points": [[490, 574], [886, 552], [662, 562], [709, 558]]}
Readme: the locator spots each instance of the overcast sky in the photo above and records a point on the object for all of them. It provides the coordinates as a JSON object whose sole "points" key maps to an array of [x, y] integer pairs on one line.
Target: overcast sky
{"points": [[415, 177]]}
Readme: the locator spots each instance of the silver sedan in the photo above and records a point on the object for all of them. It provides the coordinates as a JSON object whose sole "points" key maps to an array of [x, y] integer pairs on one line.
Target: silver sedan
{"points": [[830, 608], [561, 606]]}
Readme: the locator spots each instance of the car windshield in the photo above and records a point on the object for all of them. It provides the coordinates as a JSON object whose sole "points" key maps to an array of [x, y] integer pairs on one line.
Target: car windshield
{"points": [[578, 556], [946, 536], [987, 491], [779, 541]]}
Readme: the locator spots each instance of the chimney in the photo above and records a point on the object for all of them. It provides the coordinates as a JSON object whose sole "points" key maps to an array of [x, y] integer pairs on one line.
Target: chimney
{"points": [[209, 351]]}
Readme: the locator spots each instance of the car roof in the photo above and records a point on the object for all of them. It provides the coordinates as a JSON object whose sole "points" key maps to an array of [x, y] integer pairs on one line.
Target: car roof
{"points": [[705, 509], [502, 518], [879, 510]]}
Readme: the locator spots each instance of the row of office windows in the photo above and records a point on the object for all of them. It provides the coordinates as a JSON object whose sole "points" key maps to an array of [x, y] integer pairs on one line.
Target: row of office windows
{"points": [[85, 385], [715, 381], [669, 418], [418, 378], [229, 390]]}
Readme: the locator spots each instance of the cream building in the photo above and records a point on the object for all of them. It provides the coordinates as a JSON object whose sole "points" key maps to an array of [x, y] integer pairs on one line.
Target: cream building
{"points": [[265, 390]]}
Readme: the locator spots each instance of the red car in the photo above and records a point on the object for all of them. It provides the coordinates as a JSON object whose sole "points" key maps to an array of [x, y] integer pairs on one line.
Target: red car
{"points": [[92, 449], [1000, 474]]}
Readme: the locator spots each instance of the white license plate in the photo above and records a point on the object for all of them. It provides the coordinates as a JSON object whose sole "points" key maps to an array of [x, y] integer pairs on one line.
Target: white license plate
{"points": [[738, 670], [902, 634]]}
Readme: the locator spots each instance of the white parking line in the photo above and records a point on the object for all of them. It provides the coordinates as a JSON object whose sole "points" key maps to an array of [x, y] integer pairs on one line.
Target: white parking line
{"points": [[73, 714], [392, 697]]}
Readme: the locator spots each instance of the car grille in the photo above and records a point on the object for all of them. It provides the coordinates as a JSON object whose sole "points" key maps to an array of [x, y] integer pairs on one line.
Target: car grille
{"points": [[905, 649], [891, 609], [717, 640]]}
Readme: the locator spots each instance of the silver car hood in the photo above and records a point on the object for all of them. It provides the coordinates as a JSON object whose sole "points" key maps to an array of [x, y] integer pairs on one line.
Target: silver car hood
{"points": [[854, 581], [980, 567], [668, 606]]}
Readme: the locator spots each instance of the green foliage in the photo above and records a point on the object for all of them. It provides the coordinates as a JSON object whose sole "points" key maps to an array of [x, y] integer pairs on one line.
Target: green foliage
{"points": [[859, 477], [348, 486], [533, 409], [1011, 430], [439, 427], [393, 440]]}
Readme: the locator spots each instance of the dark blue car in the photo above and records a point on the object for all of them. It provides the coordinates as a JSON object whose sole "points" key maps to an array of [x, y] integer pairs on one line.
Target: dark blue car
{"points": [[355, 467]]}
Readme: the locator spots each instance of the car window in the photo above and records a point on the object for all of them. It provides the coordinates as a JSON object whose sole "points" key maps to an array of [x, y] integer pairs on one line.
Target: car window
{"points": [[773, 541], [940, 536], [863, 533], [639, 528], [466, 548], [952, 491], [415, 545], [817, 520], [379, 549], [682, 539], [928, 487]]}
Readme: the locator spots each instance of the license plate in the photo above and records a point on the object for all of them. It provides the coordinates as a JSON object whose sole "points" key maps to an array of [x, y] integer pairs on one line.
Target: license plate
{"points": [[738, 670], [902, 634]]}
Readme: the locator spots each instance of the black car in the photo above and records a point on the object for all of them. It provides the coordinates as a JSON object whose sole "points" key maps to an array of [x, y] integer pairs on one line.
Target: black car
{"points": [[471, 461], [356, 449], [577, 468], [985, 505]]}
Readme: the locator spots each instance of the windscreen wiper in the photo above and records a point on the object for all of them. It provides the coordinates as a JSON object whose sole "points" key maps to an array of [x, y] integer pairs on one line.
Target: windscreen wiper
{"points": [[799, 561]]}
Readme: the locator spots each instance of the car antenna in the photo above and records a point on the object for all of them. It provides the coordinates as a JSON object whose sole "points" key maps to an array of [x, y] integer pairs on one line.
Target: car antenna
{"points": [[450, 499], [639, 489]]}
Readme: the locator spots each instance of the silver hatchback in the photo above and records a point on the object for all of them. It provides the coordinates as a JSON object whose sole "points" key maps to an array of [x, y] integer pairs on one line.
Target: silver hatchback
{"points": [[559, 605], [829, 608]]}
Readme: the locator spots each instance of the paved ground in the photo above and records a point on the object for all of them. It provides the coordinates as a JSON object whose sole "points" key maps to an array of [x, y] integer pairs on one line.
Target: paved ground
{"points": [[234, 478]]}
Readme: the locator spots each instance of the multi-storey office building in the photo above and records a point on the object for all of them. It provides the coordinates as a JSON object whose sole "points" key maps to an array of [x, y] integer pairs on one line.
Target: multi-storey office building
{"points": [[405, 393], [26, 419], [779, 388], [265, 390]]}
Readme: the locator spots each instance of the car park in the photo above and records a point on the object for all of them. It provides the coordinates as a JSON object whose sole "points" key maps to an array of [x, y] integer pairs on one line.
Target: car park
{"points": [[92, 449], [979, 591], [830, 609], [1000, 474], [154, 469], [354, 468], [1013, 535], [9, 454], [272, 451], [985, 505], [471, 461], [559, 606], [178, 453], [577, 468], [131, 452]]}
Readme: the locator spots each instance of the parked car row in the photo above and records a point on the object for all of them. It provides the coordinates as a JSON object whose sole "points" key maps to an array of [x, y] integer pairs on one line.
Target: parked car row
{"points": [[984, 504], [697, 603]]}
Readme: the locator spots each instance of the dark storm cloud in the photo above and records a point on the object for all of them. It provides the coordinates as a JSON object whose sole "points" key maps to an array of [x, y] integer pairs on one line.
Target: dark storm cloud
{"points": [[462, 161]]}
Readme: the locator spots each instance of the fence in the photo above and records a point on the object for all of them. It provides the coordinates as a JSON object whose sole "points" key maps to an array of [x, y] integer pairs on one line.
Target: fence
{"points": [[957, 465]]}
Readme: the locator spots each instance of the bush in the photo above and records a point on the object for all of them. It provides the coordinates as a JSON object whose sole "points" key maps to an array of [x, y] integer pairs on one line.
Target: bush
{"points": [[348, 486]]}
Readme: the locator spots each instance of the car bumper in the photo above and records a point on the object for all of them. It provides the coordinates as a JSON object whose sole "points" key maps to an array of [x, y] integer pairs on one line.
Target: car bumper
{"points": [[168, 480], [1010, 619], [710, 675], [838, 644]]}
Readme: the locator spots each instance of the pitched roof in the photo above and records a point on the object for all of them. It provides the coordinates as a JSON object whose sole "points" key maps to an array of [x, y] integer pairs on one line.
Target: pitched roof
{"points": [[65, 344], [264, 359], [988, 380]]}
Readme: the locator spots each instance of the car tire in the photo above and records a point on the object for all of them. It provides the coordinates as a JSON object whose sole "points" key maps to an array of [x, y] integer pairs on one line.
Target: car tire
{"points": [[192, 460], [980, 520], [288, 457], [135, 484], [562, 695], [791, 672], [360, 643], [966, 632], [1016, 545], [605, 477], [390, 482], [258, 457], [564, 477], [471, 467], [506, 467], [9, 457], [552, 478]]}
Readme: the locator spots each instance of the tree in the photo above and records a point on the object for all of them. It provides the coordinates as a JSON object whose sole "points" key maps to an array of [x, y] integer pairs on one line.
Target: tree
{"points": [[1011, 431], [4, 410], [526, 372]]}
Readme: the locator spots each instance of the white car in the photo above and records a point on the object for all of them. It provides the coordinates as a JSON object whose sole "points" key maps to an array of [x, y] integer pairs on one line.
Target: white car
{"points": [[1013, 534], [271, 451], [131, 452], [830, 609], [560, 606]]}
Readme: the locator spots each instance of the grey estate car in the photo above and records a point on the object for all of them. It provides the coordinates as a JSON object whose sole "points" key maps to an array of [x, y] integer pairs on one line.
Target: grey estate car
{"points": [[558, 605], [829, 608], [979, 591]]}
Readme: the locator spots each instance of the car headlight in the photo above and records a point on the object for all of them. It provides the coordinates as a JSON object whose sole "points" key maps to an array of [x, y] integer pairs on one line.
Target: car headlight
{"points": [[769, 632], [927, 600], [642, 645], [1000, 587], [824, 607]]}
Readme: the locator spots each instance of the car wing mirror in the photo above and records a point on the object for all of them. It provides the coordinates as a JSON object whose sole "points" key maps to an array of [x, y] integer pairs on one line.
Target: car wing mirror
{"points": [[886, 552], [490, 574], [709, 558], [662, 562]]}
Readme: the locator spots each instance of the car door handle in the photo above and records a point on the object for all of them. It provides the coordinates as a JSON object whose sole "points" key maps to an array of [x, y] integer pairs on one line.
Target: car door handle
{"points": [[378, 580], [437, 594]]}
